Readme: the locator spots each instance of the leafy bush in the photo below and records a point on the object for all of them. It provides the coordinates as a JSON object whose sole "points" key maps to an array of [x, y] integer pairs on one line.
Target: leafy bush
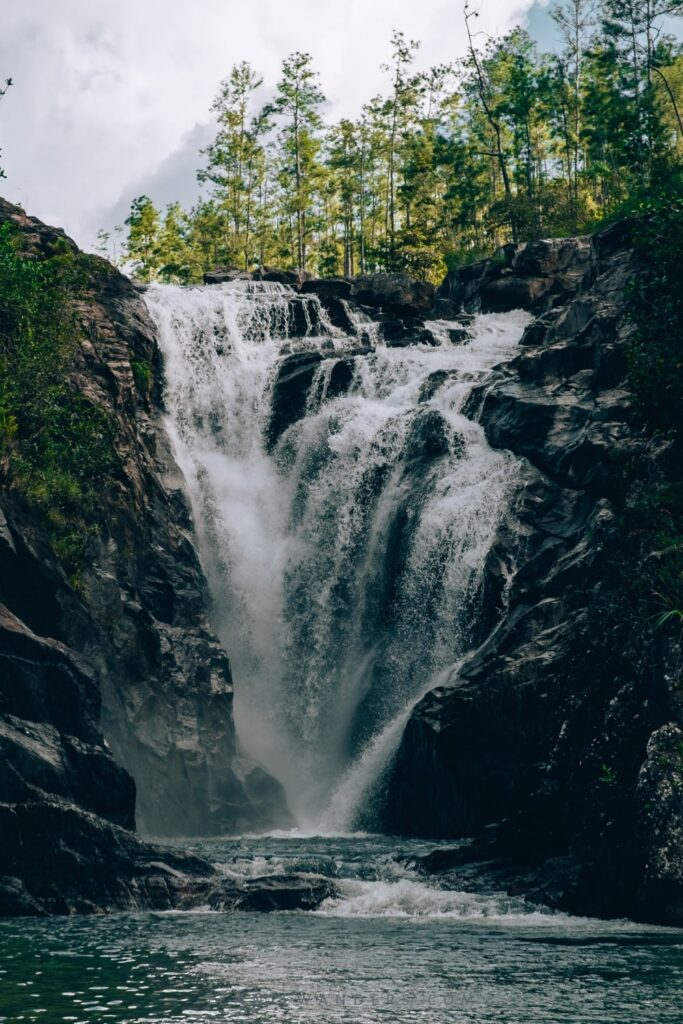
{"points": [[656, 379], [143, 375], [656, 357], [56, 447]]}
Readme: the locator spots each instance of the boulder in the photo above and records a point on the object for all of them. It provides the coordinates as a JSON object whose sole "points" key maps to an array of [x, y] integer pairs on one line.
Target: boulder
{"points": [[533, 276], [225, 275], [398, 293], [273, 893], [660, 802], [429, 438], [328, 288], [294, 278], [338, 311], [290, 392], [508, 293], [341, 377]]}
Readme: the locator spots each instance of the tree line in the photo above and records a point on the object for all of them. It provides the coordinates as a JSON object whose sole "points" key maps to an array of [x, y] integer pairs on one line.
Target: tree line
{"points": [[507, 144]]}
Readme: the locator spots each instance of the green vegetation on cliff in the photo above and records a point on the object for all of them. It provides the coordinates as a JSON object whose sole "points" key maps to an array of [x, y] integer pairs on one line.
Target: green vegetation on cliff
{"points": [[656, 377], [56, 447]]}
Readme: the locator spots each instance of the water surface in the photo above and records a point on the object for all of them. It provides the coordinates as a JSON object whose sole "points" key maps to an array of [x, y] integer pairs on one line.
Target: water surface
{"points": [[394, 948]]}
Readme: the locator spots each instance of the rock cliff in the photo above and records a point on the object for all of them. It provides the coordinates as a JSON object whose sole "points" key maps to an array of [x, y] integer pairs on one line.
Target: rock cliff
{"points": [[559, 742], [115, 674]]}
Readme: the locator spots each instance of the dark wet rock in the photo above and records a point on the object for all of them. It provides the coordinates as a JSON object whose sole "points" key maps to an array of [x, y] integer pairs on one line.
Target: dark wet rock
{"points": [[328, 288], [290, 392], [400, 332], [429, 437], [514, 292], [534, 276], [92, 866], [339, 314], [660, 802], [557, 743], [434, 382], [293, 278], [459, 336], [444, 309], [398, 293], [535, 334], [273, 893], [226, 275], [304, 318], [341, 377], [50, 740], [97, 867]]}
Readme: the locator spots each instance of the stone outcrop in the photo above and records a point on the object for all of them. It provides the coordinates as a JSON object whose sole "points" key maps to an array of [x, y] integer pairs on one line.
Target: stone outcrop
{"points": [[398, 293], [97, 867], [225, 275], [398, 303], [558, 742]]}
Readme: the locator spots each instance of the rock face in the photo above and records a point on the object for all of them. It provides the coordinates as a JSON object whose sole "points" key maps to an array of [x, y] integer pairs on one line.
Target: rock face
{"points": [[124, 652], [532, 276], [98, 867], [50, 740], [224, 275], [559, 739], [398, 293]]}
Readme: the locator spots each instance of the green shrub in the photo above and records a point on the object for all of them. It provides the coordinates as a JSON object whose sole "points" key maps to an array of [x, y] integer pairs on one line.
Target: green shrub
{"points": [[56, 447], [656, 356], [142, 374]]}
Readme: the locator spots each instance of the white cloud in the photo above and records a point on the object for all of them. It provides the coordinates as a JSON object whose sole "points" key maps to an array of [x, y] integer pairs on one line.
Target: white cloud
{"points": [[108, 92]]}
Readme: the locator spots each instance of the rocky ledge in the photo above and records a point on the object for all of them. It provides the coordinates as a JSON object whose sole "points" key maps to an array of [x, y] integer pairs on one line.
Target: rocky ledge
{"points": [[559, 743], [67, 810]]}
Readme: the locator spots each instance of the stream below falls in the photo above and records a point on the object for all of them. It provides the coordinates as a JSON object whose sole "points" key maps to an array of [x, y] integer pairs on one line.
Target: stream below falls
{"points": [[394, 947]]}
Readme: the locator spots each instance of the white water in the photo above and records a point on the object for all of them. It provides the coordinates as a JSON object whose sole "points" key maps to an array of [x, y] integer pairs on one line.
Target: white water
{"points": [[345, 565]]}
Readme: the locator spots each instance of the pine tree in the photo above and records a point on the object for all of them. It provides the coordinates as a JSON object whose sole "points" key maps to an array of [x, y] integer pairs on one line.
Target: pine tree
{"points": [[235, 158], [298, 98], [144, 226]]}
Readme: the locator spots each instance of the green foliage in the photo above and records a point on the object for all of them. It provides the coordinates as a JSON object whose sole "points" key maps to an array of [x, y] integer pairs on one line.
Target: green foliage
{"points": [[56, 447], [143, 238], [447, 165], [656, 358], [299, 172], [143, 375], [236, 161], [608, 776]]}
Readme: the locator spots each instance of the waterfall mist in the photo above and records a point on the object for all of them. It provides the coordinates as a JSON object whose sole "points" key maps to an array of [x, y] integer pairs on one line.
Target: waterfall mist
{"points": [[345, 551]]}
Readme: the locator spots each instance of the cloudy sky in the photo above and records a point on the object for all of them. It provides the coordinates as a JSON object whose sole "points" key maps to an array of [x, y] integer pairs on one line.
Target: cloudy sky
{"points": [[111, 97]]}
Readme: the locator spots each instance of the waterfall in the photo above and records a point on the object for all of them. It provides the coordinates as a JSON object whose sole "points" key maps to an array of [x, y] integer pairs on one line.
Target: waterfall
{"points": [[345, 551]]}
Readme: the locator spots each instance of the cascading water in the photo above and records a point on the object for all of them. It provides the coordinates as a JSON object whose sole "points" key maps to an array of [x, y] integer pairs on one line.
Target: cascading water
{"points": [[346, 552]]}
